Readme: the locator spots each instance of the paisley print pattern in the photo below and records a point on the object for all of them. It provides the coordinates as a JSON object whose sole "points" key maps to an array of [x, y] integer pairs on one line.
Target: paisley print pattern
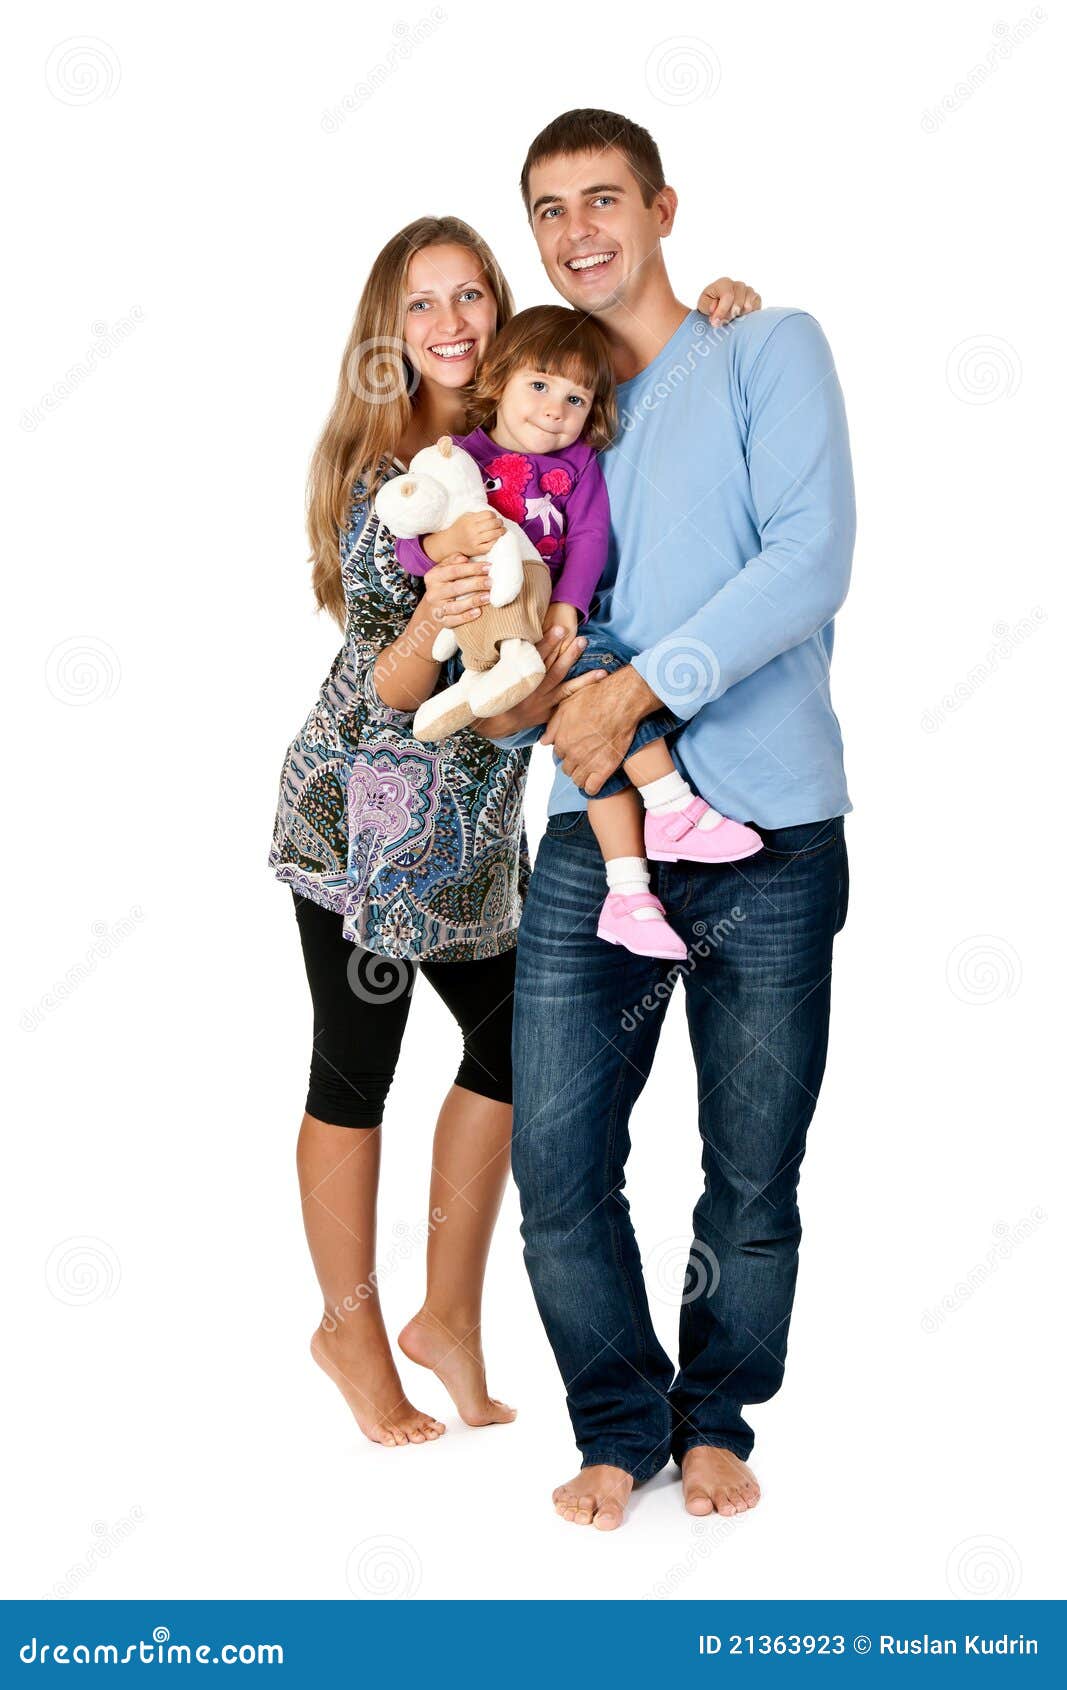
{"points": [[419, 848]]}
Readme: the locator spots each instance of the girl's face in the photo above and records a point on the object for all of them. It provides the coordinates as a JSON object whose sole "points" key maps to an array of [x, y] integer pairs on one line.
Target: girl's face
{"points": [[538, 412], [449, 314]]}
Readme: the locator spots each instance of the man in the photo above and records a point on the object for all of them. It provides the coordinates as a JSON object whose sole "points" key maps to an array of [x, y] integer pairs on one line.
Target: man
{"points": [[732, 531]]}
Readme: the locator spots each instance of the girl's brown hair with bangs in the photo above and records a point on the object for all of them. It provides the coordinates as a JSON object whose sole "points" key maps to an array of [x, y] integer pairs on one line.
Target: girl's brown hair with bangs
{"points": [[558, 342]]}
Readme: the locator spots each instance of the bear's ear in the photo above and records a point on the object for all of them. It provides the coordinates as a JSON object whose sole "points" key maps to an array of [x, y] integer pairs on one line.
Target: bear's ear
{"points": [[444, 445]]}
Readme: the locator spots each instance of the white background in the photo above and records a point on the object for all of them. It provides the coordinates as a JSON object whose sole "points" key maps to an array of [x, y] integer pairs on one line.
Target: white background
{"points": [[202, 191]]}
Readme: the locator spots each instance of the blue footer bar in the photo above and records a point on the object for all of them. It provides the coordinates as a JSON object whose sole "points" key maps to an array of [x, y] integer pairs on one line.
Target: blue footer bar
{"points": [[658, 1644]]}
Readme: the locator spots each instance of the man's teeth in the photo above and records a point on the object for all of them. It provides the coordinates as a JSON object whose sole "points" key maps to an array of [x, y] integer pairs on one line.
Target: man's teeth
{"points": [[459, 349], [589, 262]]}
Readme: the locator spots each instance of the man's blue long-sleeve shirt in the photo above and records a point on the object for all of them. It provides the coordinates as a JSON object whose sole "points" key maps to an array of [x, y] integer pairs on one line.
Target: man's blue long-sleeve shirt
{"points": [[732, 527]]}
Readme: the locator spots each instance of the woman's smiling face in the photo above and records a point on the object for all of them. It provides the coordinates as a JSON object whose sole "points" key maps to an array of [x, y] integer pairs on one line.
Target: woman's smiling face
{"points": [[449, 314]]}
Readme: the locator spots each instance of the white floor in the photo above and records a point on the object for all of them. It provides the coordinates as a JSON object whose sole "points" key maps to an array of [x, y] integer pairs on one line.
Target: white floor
{"points": [[174, 1439]]}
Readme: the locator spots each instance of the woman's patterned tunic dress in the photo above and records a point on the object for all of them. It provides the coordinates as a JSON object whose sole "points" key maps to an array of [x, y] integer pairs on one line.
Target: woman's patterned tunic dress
{"points": [[420, 848]]}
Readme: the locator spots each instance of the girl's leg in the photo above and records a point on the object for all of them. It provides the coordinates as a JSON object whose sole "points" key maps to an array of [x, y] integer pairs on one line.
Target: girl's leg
{"points": [[355, 1049], [471, 1157], [338, 1171], [654, 773], [618, 825], [652, 762]]}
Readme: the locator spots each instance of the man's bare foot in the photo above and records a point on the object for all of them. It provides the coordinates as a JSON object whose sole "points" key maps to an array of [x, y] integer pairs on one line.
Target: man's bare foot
{"points": [[715, 1481], [456, 1358], [367, 1378], [597, 1497]]}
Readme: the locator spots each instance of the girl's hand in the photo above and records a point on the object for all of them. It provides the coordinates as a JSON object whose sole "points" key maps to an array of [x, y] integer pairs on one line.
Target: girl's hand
{"points": [[455, 591], [563, 616], [476, 532], [724, 300], [472, 535]]}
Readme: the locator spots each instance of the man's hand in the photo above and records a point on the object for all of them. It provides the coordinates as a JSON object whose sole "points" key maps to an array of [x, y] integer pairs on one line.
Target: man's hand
{"points": [[592, 733], [725, 299]]}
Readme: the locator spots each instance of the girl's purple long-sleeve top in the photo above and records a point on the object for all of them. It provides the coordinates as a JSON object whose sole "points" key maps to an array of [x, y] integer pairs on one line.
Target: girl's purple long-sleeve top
{"points": [[561, 502]]}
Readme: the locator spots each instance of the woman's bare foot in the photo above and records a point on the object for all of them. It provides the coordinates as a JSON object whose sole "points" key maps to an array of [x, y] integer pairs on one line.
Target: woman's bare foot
{"points": [[715, 1481], [367, 1378], [456, 1358], [597, 1497]]}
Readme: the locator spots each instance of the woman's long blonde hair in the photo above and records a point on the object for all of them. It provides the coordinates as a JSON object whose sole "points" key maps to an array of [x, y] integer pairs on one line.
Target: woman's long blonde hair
{"points": [[373, 405]]}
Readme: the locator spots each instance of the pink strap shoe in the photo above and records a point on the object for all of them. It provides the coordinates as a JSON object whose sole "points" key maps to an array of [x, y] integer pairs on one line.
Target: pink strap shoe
{"points": [[675, 836], [651, 938]]}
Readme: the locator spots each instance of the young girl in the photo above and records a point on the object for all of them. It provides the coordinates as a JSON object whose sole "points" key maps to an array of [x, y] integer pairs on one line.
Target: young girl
{"points": [[544, 402]]}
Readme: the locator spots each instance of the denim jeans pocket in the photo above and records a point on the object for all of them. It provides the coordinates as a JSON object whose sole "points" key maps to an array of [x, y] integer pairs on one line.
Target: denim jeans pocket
{"points": [[565, 821], [807, 839], [596, 657]]}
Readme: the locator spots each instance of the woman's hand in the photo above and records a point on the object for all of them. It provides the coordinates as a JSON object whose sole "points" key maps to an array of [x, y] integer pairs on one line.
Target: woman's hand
{"points": [[724, 300], [455, 591], [472, 535], [558, 654]]}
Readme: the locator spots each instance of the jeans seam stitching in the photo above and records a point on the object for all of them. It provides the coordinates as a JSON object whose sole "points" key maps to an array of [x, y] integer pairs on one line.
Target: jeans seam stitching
{"points": [[624, 1273]]}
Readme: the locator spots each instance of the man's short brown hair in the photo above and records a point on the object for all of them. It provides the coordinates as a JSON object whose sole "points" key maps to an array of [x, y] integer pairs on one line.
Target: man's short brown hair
{"points": [[591, 131]]}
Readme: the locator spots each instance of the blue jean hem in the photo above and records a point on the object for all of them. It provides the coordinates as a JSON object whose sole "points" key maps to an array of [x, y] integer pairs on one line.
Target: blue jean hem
{"points": [[711, 1440], [640, 1469]]}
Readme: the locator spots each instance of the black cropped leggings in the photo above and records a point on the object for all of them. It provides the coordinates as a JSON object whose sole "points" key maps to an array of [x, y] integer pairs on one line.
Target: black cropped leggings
{"points": [[361, 1003]]}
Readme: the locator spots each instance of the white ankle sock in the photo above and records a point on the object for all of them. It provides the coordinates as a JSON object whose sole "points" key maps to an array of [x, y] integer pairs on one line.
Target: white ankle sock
{"points": [[630, 874], [671, 792]]}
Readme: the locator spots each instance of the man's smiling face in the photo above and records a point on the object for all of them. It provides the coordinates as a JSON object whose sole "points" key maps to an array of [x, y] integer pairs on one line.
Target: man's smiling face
{"points": [[593, 229]]}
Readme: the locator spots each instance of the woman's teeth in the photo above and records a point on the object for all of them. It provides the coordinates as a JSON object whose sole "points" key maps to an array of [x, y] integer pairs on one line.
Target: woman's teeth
{"points": [[458, 349], [590, 261]]}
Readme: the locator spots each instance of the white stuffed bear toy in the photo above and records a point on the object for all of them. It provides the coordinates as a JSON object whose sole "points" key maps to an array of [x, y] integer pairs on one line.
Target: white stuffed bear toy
{"points": [[501, 663]]}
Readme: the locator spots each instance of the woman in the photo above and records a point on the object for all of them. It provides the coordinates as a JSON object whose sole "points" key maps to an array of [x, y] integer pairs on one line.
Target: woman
{"points": [[401, 854]]}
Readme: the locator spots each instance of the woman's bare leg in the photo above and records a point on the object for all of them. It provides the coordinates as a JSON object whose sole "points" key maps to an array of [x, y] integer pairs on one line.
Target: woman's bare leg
{"points": [[338, 1172], [471, 1156]]}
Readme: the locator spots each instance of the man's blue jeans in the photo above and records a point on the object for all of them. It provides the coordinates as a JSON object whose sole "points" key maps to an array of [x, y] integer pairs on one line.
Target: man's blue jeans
{"points": [[587, 1021]]}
